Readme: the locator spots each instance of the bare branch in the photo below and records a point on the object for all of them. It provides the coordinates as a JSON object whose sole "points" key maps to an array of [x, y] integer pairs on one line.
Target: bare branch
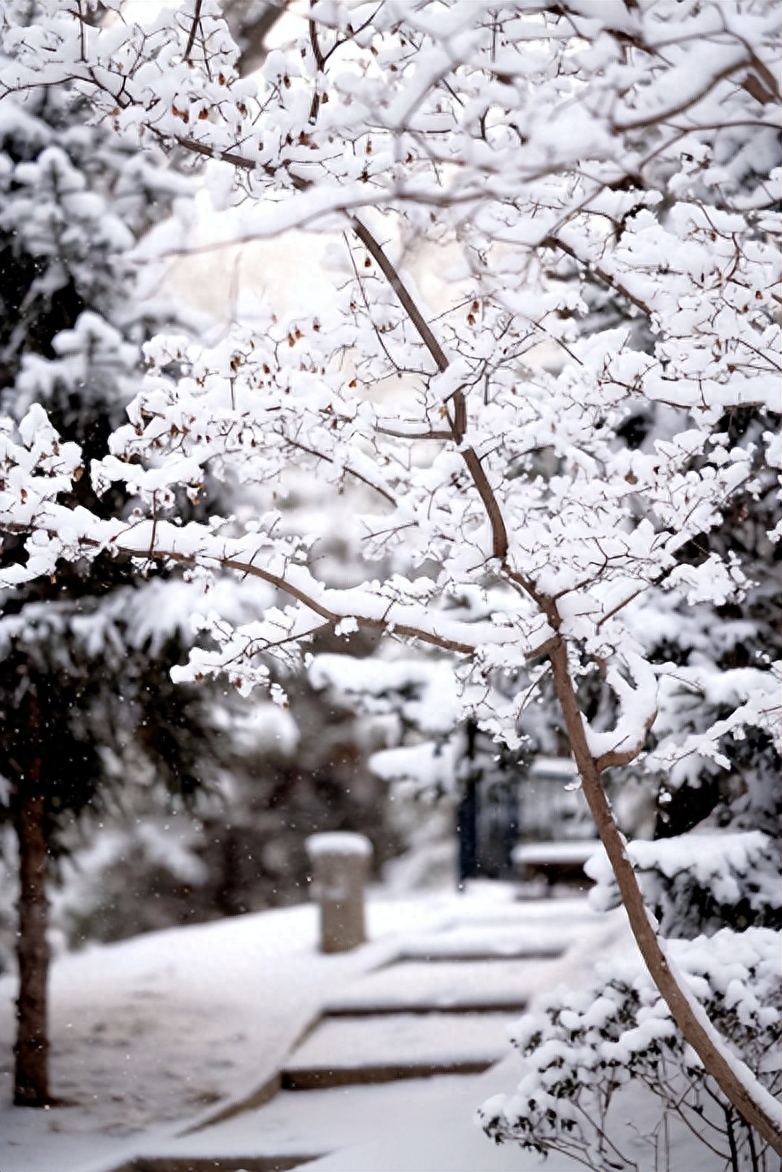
{"points": [[193, 30], [375, 250], [459, 425]]}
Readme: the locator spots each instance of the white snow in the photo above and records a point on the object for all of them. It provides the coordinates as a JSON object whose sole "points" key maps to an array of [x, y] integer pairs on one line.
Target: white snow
{"points": [[153, 1033], [421, 1125], [338, 843], [156, 1039], [481, 940], [405, 1039], [447, 984], [155, 1029], [713, 858], [554, 852]]}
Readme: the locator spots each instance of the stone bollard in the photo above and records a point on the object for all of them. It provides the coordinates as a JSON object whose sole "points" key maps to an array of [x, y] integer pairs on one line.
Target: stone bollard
{"points": [[340, 862]]}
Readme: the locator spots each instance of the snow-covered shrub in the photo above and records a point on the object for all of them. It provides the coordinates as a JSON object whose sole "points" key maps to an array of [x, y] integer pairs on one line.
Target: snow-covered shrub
{"points": [[702, 881], [611, 1083]]}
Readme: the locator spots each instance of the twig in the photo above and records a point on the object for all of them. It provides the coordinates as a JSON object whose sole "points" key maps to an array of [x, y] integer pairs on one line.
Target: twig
{"points": [[193, 29]]}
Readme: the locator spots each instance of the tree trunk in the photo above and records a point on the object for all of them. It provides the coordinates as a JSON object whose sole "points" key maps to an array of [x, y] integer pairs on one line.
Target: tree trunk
{"points": [[734, 1079], [31, 1051]]}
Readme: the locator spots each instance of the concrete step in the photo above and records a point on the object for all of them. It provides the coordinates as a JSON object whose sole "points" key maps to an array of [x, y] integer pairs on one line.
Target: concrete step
{"points": [[339, 1118], [511, 1007], [316, 1078], [218, 1163], [486, 986], [436, 957], [348, 1052], [460, 943], [513, 933]]}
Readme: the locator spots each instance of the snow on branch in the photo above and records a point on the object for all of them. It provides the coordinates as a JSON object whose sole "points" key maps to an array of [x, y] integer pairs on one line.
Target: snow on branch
{"points": [[542, 401]]}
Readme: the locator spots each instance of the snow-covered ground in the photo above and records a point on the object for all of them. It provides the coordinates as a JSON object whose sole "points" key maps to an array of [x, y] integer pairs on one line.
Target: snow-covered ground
{"points": [[154, 1034], [158, 1028]]}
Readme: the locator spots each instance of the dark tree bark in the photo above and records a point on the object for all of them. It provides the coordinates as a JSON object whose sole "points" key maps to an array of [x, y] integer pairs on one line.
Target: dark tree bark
{"points": [[31, 1050], [250, 22]]}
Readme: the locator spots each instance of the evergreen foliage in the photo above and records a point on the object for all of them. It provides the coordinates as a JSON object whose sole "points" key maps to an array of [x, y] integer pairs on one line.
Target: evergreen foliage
{"points": [[86, 699]]}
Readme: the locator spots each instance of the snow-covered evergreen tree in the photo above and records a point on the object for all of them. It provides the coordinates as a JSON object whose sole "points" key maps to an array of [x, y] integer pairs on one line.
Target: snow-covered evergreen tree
{"points": [[86, 700]]}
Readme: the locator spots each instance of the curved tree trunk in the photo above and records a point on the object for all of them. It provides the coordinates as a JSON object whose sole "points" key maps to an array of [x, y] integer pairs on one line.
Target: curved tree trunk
{"points": [[734, 1079], [31, 1050]]}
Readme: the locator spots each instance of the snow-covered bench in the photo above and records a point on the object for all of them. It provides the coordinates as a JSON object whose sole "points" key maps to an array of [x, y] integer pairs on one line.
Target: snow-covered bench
{"points": [[556, 862]]}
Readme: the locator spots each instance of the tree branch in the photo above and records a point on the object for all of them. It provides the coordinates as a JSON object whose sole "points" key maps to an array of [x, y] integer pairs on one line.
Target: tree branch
{"points": [[453, 634], [395, 281], [459, 424], [193, 30], [604, 276]]}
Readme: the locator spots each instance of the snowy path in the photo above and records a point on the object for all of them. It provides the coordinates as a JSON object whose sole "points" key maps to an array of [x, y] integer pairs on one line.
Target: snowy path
{"points": [[152, 1030]]}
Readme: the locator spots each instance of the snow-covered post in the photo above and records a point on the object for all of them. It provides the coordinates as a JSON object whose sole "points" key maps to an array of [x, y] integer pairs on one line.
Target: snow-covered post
{"points": [[340, 863]]}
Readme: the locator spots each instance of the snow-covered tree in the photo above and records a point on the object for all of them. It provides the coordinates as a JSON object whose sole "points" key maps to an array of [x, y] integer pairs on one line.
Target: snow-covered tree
{"points": [[443, 773], [632, 143], [86, 698]]}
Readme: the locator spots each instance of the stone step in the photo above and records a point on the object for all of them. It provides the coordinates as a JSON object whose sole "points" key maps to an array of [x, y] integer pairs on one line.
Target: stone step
{"points": [[347, 1052], [461, 947], [317, 1079], [338, 1118], [460, 943], [571, 910], [415, 986], [218, 1163], [441, 955], [508, 1006]]}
